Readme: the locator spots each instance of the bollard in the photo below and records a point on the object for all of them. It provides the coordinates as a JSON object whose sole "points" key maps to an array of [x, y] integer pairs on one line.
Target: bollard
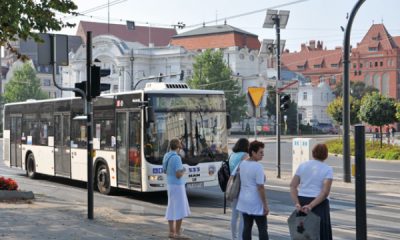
{"points": [[361, 200]]}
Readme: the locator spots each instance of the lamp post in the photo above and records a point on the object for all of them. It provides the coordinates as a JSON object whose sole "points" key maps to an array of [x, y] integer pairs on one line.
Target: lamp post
{"points": [[278, 19]]}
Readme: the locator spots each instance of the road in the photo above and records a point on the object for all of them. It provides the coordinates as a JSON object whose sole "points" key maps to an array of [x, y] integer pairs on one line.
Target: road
{"points": [[383, 198]]}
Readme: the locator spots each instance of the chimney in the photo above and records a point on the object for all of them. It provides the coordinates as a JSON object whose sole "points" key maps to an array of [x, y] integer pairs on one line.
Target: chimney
{"points": [[312, 44], [303, 47], [319, 45]]}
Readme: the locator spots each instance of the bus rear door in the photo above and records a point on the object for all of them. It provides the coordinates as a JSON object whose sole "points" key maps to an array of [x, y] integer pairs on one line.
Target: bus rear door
{"points": [[16, 141], [129, 149]]}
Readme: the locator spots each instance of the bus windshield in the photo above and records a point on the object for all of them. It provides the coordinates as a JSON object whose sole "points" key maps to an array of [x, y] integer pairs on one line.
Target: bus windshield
{"points": [[199, 121]]}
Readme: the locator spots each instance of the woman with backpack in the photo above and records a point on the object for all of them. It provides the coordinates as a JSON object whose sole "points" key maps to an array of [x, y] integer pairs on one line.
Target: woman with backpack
{"points": [[240, 150]]}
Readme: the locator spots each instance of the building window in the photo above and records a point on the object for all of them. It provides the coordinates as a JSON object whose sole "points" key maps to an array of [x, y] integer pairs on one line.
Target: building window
{"points": [[370, 64], [372, 49], [304, 95], [355, 73], [46, 82], [376, 64], [335, 65], [381, 64], [354, 65], [300, 67], [359, 72], [333, 80], [317, 66], [361, 65]]}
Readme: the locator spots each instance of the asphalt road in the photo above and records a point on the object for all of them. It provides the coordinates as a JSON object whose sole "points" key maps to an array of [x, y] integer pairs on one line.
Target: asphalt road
{"points": [[383, 198]]}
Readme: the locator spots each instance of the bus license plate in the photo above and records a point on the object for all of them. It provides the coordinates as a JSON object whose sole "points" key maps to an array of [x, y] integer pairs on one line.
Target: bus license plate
{"points": [[195, 185]]}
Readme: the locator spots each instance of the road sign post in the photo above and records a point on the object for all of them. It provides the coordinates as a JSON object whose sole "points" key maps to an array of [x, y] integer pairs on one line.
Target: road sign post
{"points": [[256, 94]]}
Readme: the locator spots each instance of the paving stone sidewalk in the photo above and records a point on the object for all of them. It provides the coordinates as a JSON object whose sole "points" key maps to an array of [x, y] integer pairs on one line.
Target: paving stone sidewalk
{"points": [[49, 218]]}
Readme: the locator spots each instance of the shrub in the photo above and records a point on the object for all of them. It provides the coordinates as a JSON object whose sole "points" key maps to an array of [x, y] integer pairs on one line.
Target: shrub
{"points": [[8, 184]]}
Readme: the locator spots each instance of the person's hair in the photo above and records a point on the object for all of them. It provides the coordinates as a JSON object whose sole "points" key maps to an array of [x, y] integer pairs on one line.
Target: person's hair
{"points": [[242, 145], [255, 146], [320, 152], [174, 144]]}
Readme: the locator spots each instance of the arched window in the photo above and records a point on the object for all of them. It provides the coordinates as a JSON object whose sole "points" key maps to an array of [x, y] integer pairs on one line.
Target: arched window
{"points": [[368, 80], [377, 83], [385, 84]]}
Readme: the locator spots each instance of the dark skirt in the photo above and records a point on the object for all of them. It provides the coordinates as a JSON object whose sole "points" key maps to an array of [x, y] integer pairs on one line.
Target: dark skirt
{"points": [[323, 211]]}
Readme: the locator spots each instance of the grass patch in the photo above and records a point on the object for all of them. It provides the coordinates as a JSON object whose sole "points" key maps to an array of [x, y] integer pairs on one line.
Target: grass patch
{"points": [[372, 149]]}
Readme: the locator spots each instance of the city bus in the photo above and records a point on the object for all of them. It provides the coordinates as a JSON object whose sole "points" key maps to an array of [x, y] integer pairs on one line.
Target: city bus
{"points": [[131, 134]]}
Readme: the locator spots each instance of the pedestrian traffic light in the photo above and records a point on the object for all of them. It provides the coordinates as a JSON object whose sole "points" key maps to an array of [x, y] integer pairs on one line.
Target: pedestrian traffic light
{"points": [[285, 100]]}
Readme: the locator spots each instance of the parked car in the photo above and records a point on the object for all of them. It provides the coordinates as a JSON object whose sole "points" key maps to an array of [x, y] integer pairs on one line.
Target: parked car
{"points": [[327, 128]]}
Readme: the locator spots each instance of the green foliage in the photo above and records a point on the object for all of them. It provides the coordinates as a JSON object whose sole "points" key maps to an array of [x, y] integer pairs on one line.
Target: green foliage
{"points": [[372, 149], [335, 110], [23, 19], [357, 89], [377, 110], [23, 85], [398, 111], [211, 72]]}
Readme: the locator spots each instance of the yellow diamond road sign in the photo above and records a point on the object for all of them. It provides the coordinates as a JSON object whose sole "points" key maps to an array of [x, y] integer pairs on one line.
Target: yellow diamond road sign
{"points": [[256, 94]]}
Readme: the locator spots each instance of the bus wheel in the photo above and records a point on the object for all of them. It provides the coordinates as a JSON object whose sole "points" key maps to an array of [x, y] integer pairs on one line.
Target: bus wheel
{"points": [[103, 179], [30, 166]]}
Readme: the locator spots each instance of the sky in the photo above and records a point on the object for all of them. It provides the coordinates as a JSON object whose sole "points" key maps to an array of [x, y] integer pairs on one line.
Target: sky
{"points": [[308, 20]]}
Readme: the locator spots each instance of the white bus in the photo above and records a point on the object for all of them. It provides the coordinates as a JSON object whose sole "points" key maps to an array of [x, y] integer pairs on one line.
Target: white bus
{"points": [[130, 136]]}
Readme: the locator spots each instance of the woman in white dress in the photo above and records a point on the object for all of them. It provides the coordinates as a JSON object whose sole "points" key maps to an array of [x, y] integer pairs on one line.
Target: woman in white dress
{"points": [[178, 205]]}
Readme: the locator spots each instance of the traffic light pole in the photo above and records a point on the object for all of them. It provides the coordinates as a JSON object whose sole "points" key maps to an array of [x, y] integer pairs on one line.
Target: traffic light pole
{"points": [[89, 124], [278, 113]]}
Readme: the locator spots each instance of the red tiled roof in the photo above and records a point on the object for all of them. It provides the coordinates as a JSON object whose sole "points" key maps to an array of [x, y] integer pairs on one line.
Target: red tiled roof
{"points": [[397, 41], [292, 60], [141, 34], [377, 34]]}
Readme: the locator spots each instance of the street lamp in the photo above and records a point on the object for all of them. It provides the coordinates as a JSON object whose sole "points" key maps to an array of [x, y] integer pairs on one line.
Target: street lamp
{"points": [[278, 19]]}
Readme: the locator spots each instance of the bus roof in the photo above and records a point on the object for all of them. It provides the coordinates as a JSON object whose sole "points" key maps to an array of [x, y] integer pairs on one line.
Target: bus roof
{"points": [[145, 91]]}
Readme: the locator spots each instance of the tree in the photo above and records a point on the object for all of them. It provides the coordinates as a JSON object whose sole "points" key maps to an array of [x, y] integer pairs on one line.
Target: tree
{"points": [[357, 89], [23, 85], [335, 110], [377, 110], [23, 19], [211, 72]]}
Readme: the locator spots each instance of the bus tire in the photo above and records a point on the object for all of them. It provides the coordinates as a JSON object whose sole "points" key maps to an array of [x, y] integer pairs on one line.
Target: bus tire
{"points": [[103, 182], [31, 166]]}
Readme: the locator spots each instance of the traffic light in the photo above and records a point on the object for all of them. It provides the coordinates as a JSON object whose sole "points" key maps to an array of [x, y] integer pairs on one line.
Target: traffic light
{"points": [[284, 101], [95, 85], [181, 75]]}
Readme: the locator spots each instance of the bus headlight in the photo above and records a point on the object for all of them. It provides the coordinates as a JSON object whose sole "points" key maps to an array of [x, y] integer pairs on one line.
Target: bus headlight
{"points": [[211, 170], [156, 178]]}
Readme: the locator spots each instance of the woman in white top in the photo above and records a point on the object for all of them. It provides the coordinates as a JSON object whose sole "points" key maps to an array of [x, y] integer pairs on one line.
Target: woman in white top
{"points": [[310, 188], [252, 201]]}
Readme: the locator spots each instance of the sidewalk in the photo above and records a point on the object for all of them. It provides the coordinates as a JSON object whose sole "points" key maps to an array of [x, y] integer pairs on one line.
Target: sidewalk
{"points": [[50, 218]]}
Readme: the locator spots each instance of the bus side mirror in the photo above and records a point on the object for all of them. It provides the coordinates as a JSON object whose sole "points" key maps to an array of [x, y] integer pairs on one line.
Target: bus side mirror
{"points": [[228, 121], [149, 115]]}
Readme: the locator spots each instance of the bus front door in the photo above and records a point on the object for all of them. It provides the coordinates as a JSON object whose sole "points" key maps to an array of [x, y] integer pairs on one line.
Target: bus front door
{"points": [[62, 145], [129, 150], [16, 137]]}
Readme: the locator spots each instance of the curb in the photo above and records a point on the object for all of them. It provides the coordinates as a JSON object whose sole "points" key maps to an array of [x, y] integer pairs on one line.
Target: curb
{"points": [[6, 195], [369, 159]]}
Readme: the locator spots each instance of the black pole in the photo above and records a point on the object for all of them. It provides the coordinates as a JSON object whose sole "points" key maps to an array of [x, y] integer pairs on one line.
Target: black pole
{"points": [[89, 125], [346, 94], [278, 113], [361, 198]]}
